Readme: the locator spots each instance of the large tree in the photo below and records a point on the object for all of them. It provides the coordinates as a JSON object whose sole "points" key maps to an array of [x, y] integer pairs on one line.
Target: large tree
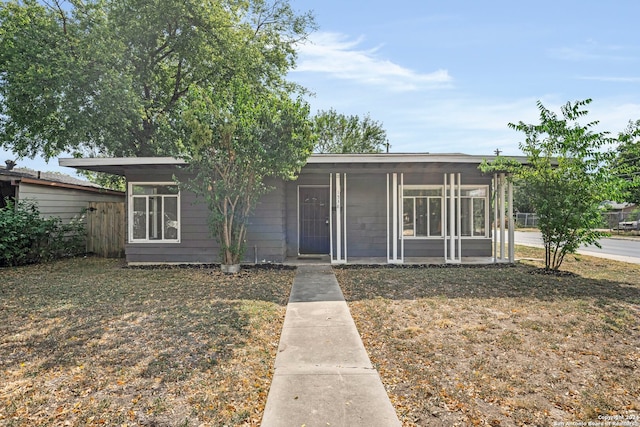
{"points": [[566, 178], [240, 137], [106, 77], [339, 133], [627, 161]]}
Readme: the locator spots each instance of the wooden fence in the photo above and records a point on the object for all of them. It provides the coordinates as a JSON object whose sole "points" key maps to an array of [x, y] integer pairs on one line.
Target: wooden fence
{"points": [[105, 229]]}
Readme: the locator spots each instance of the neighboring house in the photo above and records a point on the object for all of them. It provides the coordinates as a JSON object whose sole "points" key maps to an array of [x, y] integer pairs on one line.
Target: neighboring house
{"points": [[615, 207], [56, 194], [621, 216], [374, 208]]}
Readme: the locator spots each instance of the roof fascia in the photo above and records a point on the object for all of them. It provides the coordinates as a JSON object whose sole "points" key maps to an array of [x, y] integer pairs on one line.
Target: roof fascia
{"points": [[46, 183]]}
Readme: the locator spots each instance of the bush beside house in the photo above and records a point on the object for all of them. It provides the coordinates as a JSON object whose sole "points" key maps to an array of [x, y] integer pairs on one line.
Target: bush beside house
{"points": [[29, 238]]}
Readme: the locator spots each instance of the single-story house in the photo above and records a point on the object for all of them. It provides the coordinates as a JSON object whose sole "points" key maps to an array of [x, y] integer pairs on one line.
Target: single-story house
{"points": [[57, 195], [345, 208]]}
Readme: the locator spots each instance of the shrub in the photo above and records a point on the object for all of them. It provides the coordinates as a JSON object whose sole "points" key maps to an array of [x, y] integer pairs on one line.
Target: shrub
{"points": [[28, 238]]}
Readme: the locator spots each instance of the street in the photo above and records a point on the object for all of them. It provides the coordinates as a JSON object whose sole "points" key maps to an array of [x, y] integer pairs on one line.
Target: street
{"points": [[627, 250]]}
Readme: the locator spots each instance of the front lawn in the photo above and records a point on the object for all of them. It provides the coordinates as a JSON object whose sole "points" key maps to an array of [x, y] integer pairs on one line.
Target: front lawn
{"points": [[87, 342], [503, 346]]}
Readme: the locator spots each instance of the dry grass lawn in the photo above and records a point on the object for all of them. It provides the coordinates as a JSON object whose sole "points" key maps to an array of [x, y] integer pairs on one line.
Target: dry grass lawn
{"points": [[503, 346], [85, 342]]}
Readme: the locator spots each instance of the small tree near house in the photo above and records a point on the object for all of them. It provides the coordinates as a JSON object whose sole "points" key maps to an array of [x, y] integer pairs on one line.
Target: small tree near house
{"points": [[237, 138], [566, 178]]}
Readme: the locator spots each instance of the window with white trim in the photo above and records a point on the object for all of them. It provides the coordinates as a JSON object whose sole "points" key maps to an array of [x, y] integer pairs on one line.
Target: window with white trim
{"points": [[473, 211], [154, 212], [422, 212]]}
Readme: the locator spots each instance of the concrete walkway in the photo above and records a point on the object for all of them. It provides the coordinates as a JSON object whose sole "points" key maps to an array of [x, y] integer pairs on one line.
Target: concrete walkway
{"points": [[323, 376]]}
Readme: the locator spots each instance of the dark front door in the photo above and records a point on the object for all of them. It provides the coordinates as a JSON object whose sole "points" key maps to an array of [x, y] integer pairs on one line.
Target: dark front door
{"points": [[314, 220]]}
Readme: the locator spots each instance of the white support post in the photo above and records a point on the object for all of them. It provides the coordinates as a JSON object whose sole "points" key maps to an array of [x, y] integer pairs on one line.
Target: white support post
{"points": [[338, 221], [502, 217], [331, 217], [344, 213], [511, 224], [401, 225], [388, 219], [495, 217], [394, 192], [452, 217], [444, 219], [460, 218]]}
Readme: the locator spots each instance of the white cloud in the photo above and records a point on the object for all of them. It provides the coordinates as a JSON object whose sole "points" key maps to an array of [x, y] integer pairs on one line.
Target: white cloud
{"points": [[593, 51], [479, 126], [338, 56]]}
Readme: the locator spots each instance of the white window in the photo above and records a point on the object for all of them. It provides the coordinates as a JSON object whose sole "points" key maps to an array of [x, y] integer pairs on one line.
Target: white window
{"points": [[154, 212], [423, 211], [473, 211]]}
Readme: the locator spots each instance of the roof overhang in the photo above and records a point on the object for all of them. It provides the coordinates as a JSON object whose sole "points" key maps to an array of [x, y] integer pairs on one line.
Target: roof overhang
{"points": [[118, 165], [403, 158]]}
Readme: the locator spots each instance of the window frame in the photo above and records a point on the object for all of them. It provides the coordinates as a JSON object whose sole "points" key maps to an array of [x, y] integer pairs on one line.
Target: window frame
{"points": [[444, 200], [487, 209], [428, 227], [131, 212]]}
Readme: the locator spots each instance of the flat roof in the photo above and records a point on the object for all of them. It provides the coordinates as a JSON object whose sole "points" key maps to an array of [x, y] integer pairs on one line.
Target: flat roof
{"points": [[117, 165], [404, 158]]}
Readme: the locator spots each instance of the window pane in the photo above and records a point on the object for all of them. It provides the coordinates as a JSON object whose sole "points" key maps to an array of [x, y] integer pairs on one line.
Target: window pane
{"points": [[154, 189], [474, 192], [435, 217], [478, 217], [155, 218], [139, 218], [422, 218], [423, 192], [466, 223], [170, 217], [407, 219]]}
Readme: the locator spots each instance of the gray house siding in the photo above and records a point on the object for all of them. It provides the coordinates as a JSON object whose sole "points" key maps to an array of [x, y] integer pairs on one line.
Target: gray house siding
{"points": [[434, 248], [366, 215], [64, 203], [366, 208], [265, 239], [274, 227], [196, 245]]}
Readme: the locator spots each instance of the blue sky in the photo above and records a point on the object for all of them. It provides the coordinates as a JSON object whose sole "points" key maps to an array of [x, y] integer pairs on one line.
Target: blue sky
{"points": [[449, 76]]}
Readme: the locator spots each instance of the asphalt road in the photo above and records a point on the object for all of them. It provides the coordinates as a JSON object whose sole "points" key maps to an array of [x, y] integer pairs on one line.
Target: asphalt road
{"points": [[627, 250]]}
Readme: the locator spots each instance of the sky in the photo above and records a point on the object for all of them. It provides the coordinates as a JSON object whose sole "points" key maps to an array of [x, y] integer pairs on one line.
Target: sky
{"points": [[449, 76]]}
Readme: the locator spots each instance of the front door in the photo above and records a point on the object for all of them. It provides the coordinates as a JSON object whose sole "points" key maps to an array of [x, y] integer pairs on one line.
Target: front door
{"points": [[314, 220]]}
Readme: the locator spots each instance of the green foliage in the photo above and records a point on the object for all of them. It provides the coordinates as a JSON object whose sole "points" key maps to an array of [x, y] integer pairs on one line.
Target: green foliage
{"points": [[566, 178], [106, 180], [337, 133], [238, 138], [522, 199], [28, 238], [627, 162], [106, 77]]}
